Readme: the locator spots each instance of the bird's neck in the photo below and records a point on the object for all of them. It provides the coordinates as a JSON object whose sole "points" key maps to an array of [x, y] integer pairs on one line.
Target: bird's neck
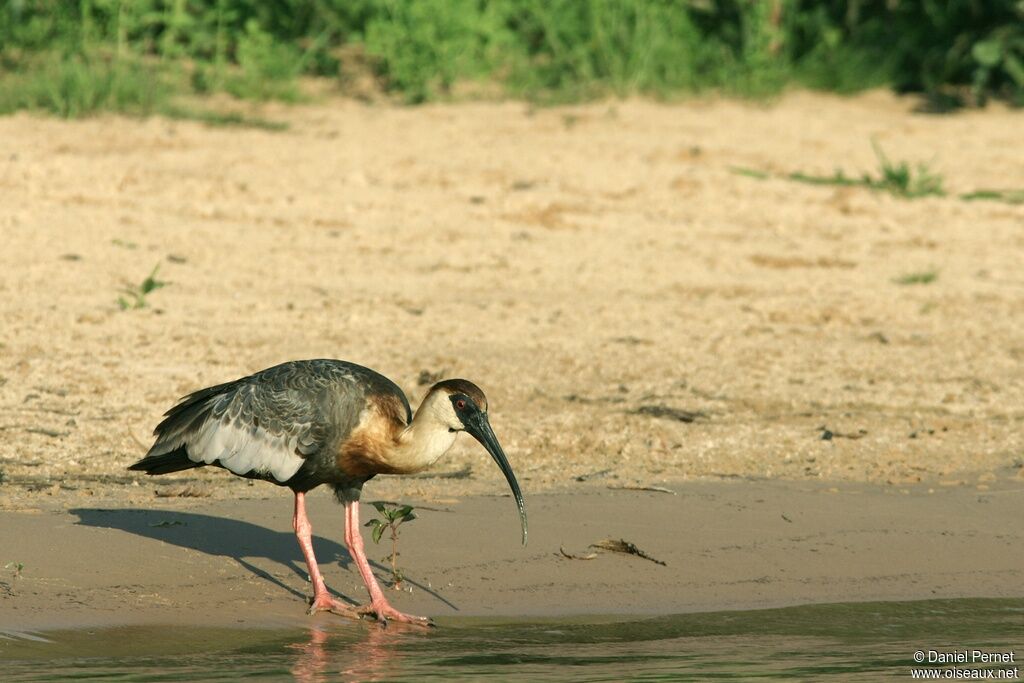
{"points": [[421, 443]]}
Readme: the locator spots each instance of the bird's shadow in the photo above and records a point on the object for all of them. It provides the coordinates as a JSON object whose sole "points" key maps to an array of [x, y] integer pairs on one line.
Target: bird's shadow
{"points": [[223, 536]]}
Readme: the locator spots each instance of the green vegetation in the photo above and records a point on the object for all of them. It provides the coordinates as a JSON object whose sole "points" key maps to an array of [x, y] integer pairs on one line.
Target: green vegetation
{"points": [[1006, 196], [924, 277], [15, 569], [77, 57], [750, 172], [899, 179], [393, 517], [217, 118], [77, 85], [136, 296]]}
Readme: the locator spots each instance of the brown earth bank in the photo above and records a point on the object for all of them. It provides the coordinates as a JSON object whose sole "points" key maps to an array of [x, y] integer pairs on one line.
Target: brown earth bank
{"points": [[724, 545], [637, 311]]}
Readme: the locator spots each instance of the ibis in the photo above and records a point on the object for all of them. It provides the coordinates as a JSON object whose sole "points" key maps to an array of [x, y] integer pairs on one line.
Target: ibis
{"points": [[311, 422]]}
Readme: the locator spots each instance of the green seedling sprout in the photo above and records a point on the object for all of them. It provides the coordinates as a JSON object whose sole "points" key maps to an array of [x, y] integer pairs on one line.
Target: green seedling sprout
{"points": [[394, 516], [15, 568], [923, 277], [136, 296]]}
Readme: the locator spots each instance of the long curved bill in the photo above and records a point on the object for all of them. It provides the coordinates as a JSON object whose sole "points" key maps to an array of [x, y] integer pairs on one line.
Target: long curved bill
{"points": [[480, 429]]}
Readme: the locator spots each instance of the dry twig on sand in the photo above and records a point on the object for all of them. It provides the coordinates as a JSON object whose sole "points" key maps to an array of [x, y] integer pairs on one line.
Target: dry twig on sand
{"points": [[588, 556], [623, 546]]}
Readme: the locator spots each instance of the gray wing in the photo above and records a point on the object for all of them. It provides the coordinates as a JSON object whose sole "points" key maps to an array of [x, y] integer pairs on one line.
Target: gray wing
{"points": [[269, 423]]}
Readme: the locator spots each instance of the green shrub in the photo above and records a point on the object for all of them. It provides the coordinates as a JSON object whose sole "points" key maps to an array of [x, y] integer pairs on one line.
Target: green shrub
{"points": [[268, 68], [423, 48], [77, 56], [76, 85]]}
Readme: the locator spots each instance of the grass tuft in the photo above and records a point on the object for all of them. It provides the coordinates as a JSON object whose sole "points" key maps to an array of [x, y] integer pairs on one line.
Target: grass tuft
{"points": [[1005, 196], [924, 277], [75, 86], [898, 179]]}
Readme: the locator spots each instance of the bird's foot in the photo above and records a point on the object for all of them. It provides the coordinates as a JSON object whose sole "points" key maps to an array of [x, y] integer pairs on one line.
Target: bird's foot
{"points": [[326, 603], [383, 612]]}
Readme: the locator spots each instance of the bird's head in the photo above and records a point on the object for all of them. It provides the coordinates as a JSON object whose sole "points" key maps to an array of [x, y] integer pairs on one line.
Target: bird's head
{"points": [[462, 407]]}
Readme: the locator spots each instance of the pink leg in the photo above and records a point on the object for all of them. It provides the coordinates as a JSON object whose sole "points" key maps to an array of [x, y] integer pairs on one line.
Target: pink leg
{"points": [[322, 599], [379, 605]]}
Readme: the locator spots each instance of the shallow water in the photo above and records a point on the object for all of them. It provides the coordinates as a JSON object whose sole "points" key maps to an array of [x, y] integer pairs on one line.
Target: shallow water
{"points": [[862, 641]]}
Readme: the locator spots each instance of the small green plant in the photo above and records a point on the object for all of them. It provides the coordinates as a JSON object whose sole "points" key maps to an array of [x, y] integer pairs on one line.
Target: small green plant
{"points": [[899, 179], [923, 277], [136, 296], [3, 476], [15, 569], [394, 516]]}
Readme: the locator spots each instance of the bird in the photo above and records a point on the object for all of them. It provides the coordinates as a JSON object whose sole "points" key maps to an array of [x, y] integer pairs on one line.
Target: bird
{"points": [[304, 423]]}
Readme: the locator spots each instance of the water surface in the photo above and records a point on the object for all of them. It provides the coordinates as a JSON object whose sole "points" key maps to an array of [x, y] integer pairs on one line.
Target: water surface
{"points": [[862, 641]]}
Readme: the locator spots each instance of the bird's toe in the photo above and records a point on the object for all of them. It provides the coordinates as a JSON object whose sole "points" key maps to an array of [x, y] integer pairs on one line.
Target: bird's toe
{"points": [[385, 613], [330, 604]]}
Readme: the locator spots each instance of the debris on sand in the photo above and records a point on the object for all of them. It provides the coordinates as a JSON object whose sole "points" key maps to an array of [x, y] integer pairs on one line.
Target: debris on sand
{"points": [[669, 413], [592, 475], [623, 546], [588, 556], [829, 434], [640, 487], [183, 492]]}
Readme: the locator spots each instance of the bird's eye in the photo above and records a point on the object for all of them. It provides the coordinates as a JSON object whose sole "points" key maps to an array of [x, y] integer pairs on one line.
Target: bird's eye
{"points": [[460, 404]]}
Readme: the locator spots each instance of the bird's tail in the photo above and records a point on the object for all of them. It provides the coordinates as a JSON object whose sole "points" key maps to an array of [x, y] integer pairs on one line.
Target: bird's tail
{"points": [[165, 463]]}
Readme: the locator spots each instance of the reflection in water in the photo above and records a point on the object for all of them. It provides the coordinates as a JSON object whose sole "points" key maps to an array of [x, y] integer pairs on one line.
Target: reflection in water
{"points": [[376, 657], [356, 652], [312, 657], [839, 642]]}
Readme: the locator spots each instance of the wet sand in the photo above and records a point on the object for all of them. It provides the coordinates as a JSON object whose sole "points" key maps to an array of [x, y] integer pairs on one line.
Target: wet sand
{"points": [[726, 545]]}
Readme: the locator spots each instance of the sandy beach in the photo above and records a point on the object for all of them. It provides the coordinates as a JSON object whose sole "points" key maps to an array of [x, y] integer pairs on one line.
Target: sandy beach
{"points": [[638, 312], [725, 546]]}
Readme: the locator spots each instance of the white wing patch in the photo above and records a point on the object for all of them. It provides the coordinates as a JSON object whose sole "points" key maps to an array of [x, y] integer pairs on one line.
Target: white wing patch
{"points": [[242, 449]]}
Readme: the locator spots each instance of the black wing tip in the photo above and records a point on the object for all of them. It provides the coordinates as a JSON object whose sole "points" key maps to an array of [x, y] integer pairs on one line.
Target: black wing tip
{"points": [[165, 463]]}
